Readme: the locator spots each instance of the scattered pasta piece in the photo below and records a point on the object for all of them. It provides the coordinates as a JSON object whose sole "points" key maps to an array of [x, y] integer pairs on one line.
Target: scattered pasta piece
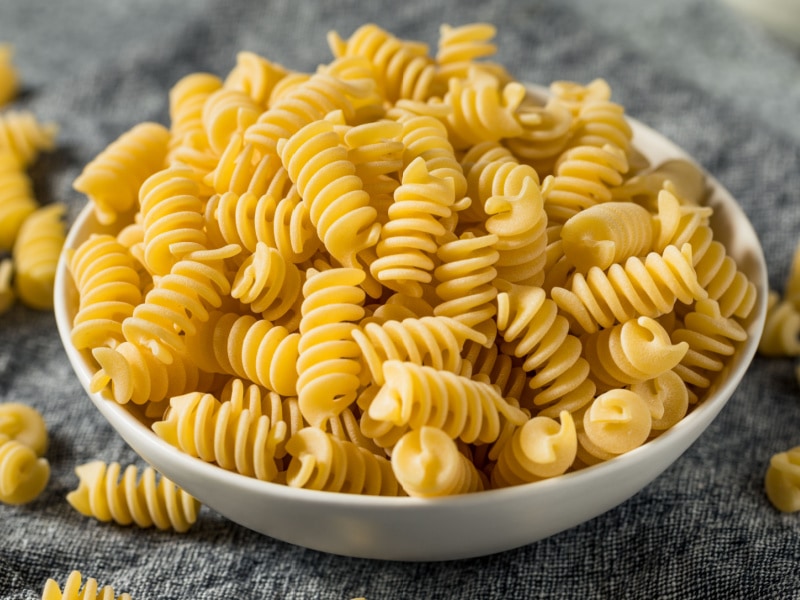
{"points": [[9, 78], [146, 501], [74, 591], [25, 425], [7, 295], [782, 481], [23, 475], [36, 253], [25, 136]]}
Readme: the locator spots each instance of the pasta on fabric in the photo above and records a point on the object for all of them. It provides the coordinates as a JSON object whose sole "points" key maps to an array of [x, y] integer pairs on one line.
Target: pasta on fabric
{"points": [[22, 134], [23, 474], [782, 480], [401, 273], [9, 78], [24, 424], [77, 589], [141, 498], [36, 252], [17, 201]]}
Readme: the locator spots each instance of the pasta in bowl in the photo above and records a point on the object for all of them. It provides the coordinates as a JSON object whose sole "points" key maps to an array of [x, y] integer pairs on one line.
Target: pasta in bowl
{"points": [[386, 325]]}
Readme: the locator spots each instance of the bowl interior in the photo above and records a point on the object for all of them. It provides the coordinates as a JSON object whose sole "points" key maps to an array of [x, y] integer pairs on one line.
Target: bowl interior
{"points": [[446, 528]]}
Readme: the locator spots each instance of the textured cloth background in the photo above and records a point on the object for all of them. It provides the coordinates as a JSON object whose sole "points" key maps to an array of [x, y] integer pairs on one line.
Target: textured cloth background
{"points": [[719, 86]]}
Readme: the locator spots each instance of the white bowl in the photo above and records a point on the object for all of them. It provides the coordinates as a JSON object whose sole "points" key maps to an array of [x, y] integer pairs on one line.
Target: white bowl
{"points": [[457, 527]]}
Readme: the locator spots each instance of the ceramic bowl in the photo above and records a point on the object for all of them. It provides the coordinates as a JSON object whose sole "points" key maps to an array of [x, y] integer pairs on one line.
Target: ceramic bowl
{"points": [[410, 529]]}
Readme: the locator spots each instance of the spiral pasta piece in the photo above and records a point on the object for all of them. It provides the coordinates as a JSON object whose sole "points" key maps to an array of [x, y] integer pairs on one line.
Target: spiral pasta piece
{"points": [[328, 367], [632, 352], [465, 278], [319, 461], [109, 287], [428, 464], [324, 92], [76, 589], [583, 177], [417, 395], [24, 424], [177, 301], [408, 239], [460, 48], [781, 334], [23, 474], [541, 448], [134, 374], [532, 329], [482, 109], [144, 499], [545, 134], [403, 68], [36, 252], [255, 76], [337, 203], [641, 287], [186, 100], [616, 422], [235, 437], [172, 214], [239, 169], [607, 233], [24, 136], [601, 122], [112, 179], [9, 79], [712, 339], [226, 112], [782, 480], [666, 396], [432, 341], [251, 348], [17, 201]]}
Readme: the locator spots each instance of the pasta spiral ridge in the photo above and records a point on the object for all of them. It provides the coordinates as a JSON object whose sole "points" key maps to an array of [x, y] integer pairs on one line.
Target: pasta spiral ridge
{"points": [[73, 590], [36, 253], [24, 136], [320, 461], [113, 178], [172, 213], [427, 464], [226, 112], [142, 498], [408, 239], [782, 480], [711, 337], [109, 288], [255, 76], [23, 474], [533, 329], [178, 301], [417, 395], [250, 348], [781, 335], [17, 201], [602, 122], [403, 68], [238, 438], [323, 93], [186, 100], [239, 169], [432, 341], [541, 448], [641, 287], [460, 48], [337, 203], [9, 78], [270, 285], [545, 134], [24, 424], [328, 366], [465, 281], [632, 352], [584, 176], [134, 374]]}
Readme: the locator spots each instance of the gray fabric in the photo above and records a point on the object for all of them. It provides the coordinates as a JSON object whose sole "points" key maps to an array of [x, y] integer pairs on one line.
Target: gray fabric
{"points": [[717, 85]]}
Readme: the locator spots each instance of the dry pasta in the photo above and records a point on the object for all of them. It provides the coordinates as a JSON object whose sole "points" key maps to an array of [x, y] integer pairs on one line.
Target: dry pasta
{"points": [[7, 295], [23, 474], [22, 134], [9, 78], [145, 499], [782, 480], [25, 425], [401, 273], [17, 201], [77, 589], [36, 252]]}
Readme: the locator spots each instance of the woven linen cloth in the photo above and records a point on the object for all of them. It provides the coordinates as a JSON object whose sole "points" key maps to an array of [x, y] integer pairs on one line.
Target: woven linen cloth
{"points": [[715, 83]]}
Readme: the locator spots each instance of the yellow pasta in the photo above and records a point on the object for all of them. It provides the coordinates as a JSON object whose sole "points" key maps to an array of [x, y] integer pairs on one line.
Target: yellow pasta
{"points": [[401, 254], [7, 295], [23, 474], [76, 589], [17, 201], [24, 424], [9, 78], [782, 480], [781, 335], [22, 134], [145, 499], [36, 253]]}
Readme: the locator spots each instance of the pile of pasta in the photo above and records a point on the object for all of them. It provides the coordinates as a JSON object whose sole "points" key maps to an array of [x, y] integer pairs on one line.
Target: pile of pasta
{"points": [[781, 338], [403, 273], [31, 235]]}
